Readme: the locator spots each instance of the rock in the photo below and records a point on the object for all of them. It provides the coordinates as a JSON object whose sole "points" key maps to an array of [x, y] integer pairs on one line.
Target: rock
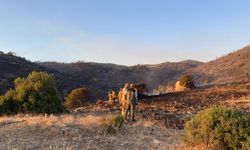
{"points": [[156, 141]]}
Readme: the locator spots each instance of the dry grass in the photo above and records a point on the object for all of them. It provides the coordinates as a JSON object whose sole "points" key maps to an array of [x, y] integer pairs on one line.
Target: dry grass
{"points": [[83, 128], [240, 103], [82, 131]]}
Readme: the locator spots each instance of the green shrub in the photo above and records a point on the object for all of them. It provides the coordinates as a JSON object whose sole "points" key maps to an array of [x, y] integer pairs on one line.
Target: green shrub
{"points": [[112, 124], [220, 127], [8, 105], [77, 98], [117, 121], [36, 93], [186, 81], [246, 144]]}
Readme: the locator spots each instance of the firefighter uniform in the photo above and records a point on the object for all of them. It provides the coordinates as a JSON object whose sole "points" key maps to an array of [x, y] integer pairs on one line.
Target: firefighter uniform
{"points": [[124, 100], [120, 96], [131, 103], [110, 98]]}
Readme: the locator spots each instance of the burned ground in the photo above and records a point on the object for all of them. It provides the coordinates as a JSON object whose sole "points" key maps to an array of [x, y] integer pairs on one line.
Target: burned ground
{"points": [[159, 122], [173, 109]]}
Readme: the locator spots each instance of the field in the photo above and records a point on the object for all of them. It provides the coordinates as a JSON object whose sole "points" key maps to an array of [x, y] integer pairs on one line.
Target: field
{"points": [[81, 131], [173, 109], [159, 123]]}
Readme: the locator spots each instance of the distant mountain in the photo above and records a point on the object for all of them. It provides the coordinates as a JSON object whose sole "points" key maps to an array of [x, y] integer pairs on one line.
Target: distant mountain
{"points": [[96, 76], [110, 76], [12, 66], [234, 67]]}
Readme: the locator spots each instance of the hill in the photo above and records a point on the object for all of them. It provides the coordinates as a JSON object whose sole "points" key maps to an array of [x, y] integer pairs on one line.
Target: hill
{"points": [[234, 67], [159, 123], [96, 76], [12, 66], [110, 76]]}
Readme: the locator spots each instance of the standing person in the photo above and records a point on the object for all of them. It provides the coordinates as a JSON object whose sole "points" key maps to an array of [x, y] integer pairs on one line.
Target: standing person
{"points": [[120, 96], [124, 99], [110, 98], [113, 95], [131, 102]]}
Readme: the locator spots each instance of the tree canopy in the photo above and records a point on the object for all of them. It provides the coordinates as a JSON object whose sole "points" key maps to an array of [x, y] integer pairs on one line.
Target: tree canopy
{"points": [[36, 93], [78, 97]]}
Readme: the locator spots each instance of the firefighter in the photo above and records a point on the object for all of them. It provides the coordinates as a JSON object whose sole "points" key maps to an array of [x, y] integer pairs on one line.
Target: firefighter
{"points": [[124, 99], [132, 98], [110, 98], [113, 95], [120, 96]]}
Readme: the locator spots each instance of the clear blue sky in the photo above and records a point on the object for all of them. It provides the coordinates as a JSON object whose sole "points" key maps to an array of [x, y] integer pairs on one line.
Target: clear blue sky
{"points": [[123, 31]]}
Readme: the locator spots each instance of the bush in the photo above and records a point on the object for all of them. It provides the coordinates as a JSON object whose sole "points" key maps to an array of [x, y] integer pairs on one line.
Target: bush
{"points": [[220, 127], [186, 81], [112, 124], [246, 144], [8, 105], [36, 93], [77, 98], [141, 88]]}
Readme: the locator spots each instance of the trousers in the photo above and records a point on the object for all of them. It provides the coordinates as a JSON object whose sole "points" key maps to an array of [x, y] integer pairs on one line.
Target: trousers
{"points": [[130, 108]]}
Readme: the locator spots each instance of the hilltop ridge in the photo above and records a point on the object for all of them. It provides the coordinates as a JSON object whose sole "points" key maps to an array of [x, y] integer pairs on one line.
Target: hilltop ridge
{"points": [[233, 67]]}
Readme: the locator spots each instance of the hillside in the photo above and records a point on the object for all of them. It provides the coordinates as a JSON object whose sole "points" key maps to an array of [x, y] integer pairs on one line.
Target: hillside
{"points": [[12, 66], [159, 123], [96, 76], [111, 76], [234, 67]]}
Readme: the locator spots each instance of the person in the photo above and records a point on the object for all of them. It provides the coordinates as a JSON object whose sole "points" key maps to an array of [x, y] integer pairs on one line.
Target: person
{"points": [[113, 95], [123, 100], [131, 102], [110, 97], [120, 96]]}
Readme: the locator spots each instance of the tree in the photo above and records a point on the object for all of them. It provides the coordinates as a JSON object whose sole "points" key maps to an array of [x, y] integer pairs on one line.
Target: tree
{"points": [[36, 93], [186, 81], [78, 97], [141, 88], [11, 53], [8, 105]]}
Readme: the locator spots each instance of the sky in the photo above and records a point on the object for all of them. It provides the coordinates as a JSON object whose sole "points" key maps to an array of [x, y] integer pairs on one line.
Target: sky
{"points": [[125, 32]]}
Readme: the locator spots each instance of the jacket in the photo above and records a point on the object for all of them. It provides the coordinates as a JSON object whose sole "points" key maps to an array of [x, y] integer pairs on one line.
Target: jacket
{"points": [[131, 97]]}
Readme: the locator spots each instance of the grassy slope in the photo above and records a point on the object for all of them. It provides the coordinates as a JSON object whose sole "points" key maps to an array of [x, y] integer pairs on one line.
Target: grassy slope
{"points": [[82, 131], [233, 67]]}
